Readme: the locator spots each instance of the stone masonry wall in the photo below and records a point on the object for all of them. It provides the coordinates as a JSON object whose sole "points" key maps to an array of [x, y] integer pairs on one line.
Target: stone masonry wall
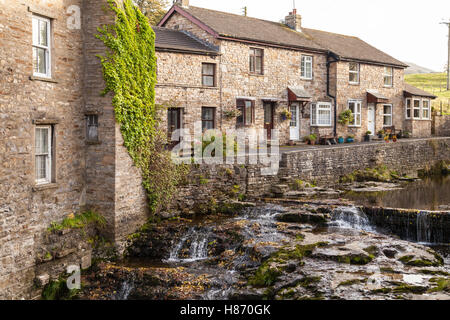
{"points": [[441, 124], [25, 209], [207, 185]]}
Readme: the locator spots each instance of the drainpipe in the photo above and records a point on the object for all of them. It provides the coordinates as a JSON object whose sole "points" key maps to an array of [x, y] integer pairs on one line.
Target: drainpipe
{"points": [[334, 58]]}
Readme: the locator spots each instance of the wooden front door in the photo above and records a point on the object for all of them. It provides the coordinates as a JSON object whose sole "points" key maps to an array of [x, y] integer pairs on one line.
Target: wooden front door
{"points": [[268, 118]]}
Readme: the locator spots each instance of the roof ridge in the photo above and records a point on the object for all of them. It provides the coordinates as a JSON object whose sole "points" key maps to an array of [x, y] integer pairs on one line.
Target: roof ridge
{"points": [[335, 33]]}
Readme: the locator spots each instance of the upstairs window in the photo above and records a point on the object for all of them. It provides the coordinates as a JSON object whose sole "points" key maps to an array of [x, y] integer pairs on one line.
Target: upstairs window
{"points": [[41, 47], [256, 60], [355, 107], [321, 114], [92, 128], [408, 108], [208, 118], [387, 115], [388, 76], [208, 74], [416, 114], [307, 67], [43, 154], [246, 108], [426, 109], [353, 73]]}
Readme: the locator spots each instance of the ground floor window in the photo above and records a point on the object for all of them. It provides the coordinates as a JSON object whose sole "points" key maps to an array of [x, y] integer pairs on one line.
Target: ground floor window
{"points": [[173, 121], [208, 118], [387, 115], [247, 112], [408, 108], [321, 114], [92, 128], [355, 107], [43, 154]]}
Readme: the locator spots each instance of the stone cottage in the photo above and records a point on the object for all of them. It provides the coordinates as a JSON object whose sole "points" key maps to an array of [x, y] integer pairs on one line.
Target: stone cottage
{"points": [[265, 68]]}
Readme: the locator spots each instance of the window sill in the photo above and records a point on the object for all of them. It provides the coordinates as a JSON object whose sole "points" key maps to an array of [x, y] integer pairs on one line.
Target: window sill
{"points": [[355, 126], [388, 87], [354, 83], [256, 74], [42, 187], [321, 126], [36, 78], [93, 143], [306, 79]]}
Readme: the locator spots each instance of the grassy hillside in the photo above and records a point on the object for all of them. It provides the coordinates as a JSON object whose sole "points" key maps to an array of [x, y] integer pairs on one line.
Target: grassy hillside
{"points": [[435, 83]]}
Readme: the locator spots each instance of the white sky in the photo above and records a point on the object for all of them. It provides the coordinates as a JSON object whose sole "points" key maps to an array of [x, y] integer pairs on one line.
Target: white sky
{"points": [[408, 30]]}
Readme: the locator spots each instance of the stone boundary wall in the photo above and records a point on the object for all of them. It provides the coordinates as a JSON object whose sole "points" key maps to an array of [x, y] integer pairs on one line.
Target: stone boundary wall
{"points": [[441, 125], [209, 185]]}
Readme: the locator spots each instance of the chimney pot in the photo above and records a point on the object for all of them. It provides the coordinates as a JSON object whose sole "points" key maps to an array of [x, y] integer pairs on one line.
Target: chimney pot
{"points": [[294, 21]]}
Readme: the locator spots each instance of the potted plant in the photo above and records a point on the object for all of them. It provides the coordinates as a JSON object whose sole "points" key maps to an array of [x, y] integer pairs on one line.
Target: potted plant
{"points": [[380, 134], [394, 138], [350, 139], [368, 135], [285, 115], [406, 135], [345, 117], [341, 140], [386, 138], [312, 139], [231, 113]]}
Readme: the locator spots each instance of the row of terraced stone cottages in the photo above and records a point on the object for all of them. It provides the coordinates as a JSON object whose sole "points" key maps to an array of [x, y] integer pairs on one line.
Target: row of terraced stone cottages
{"points": [[211, 63]]}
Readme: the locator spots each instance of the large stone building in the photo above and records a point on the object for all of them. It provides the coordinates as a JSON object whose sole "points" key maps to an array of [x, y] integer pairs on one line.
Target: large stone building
{"points": [[265, 68]]}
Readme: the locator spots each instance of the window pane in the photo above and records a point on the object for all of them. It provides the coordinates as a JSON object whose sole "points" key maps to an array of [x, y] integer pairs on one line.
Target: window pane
{"points": [[387, 109], [353, 67], [208, 81], [387, 120], [43, 25], [408, 113], [313, 114], [294, 116], [258, 64], [35, 31], [208, 69], [207, 114], [248, 112], [39, 60], [41, 167], [252, 64], [41, 141], [353, 77]]}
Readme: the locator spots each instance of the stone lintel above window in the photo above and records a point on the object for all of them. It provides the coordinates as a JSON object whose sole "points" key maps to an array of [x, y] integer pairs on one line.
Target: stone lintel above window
{"points": [[45, 121], [41, 11]]}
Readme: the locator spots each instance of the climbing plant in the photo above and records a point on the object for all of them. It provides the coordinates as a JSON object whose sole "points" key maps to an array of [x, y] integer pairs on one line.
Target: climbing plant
{"points": [[129, 70]]}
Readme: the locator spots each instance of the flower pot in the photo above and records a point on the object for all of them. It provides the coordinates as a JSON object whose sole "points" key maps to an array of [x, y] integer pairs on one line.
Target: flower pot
{"points": [[350, 140], [367, 138], [341, 140]]}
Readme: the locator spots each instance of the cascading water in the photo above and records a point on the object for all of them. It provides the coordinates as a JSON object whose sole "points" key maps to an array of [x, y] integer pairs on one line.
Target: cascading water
{"points": [[351, 218], [196, 239], [429, 230], [125, 290]]}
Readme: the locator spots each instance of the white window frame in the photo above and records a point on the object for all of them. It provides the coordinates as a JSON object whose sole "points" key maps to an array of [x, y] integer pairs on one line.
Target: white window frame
{"points": [[391, 115], [357, 72], [390, 75], [410, 108], [414, 109], [49, 160], [357, 103], [306, 60], [47, 49], [315, 111], [423, 109]]}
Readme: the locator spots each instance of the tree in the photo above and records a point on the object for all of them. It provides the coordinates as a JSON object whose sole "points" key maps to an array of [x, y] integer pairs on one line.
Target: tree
{"points": [[154, 10]]}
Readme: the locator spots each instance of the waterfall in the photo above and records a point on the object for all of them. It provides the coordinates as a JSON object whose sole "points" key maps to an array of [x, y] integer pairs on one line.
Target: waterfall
{"points": [[125, 290], [423, 228], [351, 218], [196, 239]]}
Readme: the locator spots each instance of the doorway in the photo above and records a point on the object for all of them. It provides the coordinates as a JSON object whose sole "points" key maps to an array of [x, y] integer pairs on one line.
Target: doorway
{"points": [[294, 130], [268, 118], [371, 118]]}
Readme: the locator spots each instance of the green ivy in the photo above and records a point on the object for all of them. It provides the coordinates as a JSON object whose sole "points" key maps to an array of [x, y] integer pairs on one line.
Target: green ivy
{"points": [[129, 70]]}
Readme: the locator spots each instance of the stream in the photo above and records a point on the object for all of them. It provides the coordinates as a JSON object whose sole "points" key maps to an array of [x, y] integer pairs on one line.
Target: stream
{"points": [[284, 251]]}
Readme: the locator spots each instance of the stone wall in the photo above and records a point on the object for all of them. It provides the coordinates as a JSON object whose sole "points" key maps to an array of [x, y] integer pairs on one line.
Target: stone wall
{"points": [[441, 125], [325, 165]]}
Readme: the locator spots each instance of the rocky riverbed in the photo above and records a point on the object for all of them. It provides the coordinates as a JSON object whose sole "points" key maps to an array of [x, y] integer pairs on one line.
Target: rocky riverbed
{"points": [[284, 250]]}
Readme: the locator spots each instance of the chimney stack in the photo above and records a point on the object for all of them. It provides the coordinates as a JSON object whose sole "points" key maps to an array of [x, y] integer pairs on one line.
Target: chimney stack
{"points": [[294, 21], [182, 3]]}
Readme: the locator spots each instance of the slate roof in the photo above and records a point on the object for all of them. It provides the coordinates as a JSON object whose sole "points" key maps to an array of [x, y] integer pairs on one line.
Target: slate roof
{"points": [[246, 28], [413, 91], [353, 48], [179, 41]]}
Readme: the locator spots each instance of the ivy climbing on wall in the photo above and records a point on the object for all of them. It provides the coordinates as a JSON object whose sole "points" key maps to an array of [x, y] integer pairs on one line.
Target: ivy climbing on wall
{"points": [[129, 70]]}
